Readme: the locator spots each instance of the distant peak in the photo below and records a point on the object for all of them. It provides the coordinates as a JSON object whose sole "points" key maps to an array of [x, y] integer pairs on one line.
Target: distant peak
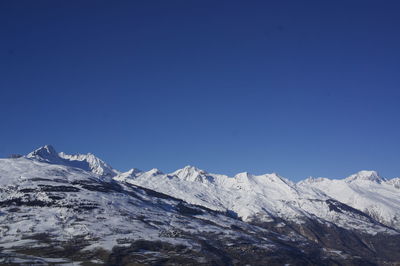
{"points": [[190, 169], [275, 176], [154, 171], [366, 176], [134, 171], [87, 162], [311, 180], [266, 176], [191, 173], [46, 153], [46, 149]]}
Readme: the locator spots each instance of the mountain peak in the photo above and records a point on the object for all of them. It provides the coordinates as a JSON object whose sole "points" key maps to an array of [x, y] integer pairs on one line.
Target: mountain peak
{"points": [[311, 180], [87, 162], [191, 173], [134, 171], [155, 171], [365, 175], [46, 149], [190, 169], [45, 153]]}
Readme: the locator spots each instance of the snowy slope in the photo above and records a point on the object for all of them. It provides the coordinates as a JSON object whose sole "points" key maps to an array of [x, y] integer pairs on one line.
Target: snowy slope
{"points": [[87, 162], [51, 206], [394, 182], [264, 197], [365, 191], [53, 202]]}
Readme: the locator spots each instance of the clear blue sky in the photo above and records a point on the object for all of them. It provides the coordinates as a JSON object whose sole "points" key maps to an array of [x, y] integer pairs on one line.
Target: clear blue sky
{"points": [[296, 87]]}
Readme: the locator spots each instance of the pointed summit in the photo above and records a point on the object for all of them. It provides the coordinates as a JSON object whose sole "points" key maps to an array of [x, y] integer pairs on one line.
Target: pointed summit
{"points": [[131, 174], [44, 150], [46, 153], [189, 169], [365, 176], [192, 168], [134, 171], [87, 162], [191, 173], [154, 172], [274, 177]]}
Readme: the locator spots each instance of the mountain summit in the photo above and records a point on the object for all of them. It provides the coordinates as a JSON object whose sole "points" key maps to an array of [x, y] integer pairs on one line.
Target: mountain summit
{"points": [[58, 202], [191, 173], [366, 176], [46, 153], [87, 162], [253, 196]]}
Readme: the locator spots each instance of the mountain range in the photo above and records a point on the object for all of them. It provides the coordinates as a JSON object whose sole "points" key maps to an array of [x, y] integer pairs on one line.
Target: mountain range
{"points": [[58, 208]]}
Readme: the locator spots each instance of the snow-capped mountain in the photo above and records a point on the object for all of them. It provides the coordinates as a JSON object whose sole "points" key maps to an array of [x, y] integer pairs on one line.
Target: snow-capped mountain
{"points": [[50, 210], [271, 196], [59, 208], [365, 176], [87, 162], [394, 182], [365, 191]]}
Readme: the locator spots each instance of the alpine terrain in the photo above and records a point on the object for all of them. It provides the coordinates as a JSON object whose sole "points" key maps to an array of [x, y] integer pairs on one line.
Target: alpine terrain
{"points": [[76, 209]]}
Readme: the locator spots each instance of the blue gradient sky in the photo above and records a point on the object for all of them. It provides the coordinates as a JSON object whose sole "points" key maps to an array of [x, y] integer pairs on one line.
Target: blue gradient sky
{"points": [[296, 87]]}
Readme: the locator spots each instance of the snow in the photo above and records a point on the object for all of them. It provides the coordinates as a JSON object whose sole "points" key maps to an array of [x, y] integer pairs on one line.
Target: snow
{"points": [[262, 196], [394, 182], [87, 162], [365, 191], [122, 216], [365, 176], [267, 196], [117, 215]]}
